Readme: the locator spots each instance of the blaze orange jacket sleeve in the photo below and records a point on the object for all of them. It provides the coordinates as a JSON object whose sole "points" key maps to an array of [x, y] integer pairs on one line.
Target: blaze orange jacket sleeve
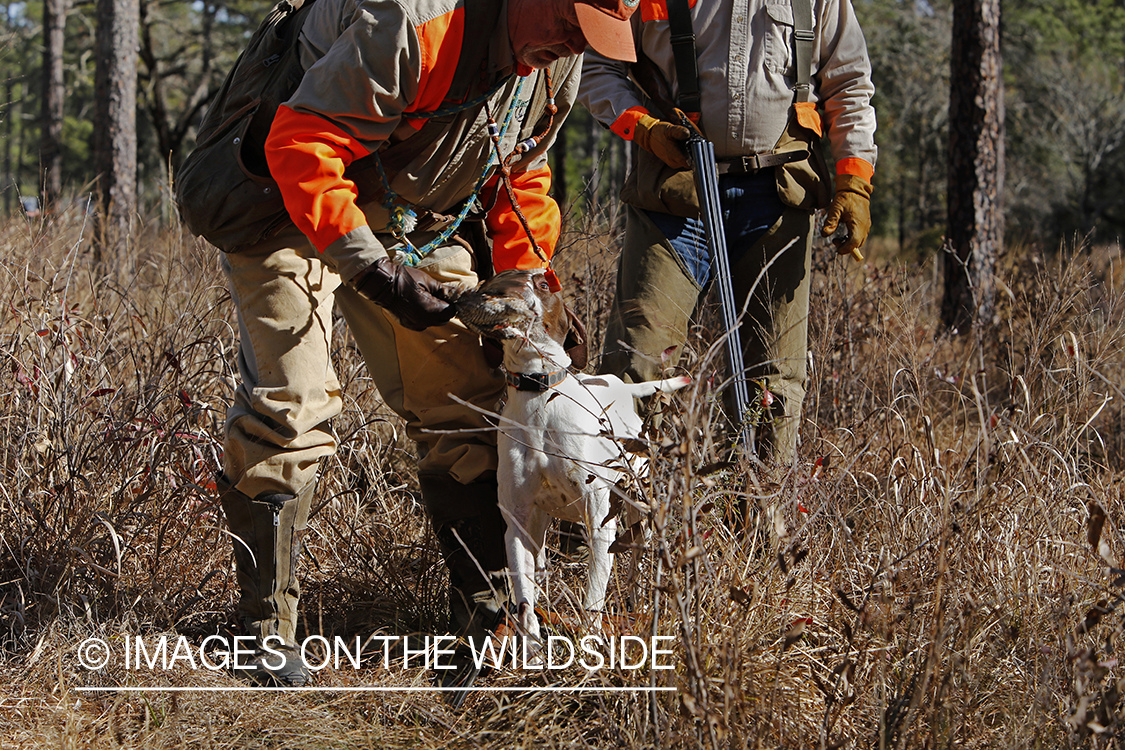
{"points": [[511, 247], [310, 154], [856, 166], [625, 126]]}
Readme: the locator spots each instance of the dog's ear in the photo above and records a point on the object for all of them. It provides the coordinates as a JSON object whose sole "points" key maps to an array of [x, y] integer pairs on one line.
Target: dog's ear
{"points": [[575, 343]]}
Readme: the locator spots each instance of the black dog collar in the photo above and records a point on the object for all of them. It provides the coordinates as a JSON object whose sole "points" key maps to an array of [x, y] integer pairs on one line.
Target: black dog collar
{"points": [[536, 382]]}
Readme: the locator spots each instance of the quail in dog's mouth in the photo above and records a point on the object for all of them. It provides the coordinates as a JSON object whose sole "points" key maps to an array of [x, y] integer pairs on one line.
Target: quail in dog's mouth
{"points": [[489, 316]]}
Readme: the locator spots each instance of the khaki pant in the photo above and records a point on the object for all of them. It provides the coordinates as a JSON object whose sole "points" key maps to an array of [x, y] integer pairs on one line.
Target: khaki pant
{"points": [[656, 299], [278, 426]]}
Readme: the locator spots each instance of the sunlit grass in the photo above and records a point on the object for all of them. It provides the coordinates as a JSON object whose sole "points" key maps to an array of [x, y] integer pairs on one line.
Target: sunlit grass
{"points": [[940, 568]]}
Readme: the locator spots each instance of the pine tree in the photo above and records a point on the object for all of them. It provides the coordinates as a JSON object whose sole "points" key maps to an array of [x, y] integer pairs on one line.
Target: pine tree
{"points": [[975, 231], [115, 119]]}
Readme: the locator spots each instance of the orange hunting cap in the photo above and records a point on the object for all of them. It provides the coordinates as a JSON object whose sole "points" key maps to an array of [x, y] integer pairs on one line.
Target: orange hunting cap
{"points": [[605, 23]]}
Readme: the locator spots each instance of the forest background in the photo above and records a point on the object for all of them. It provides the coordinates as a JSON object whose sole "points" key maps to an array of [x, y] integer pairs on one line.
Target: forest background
{"points": [[1064, 81]]}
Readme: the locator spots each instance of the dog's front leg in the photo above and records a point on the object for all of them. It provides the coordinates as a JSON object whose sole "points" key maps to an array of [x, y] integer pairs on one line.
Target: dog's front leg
{"points": [[524, 539]]}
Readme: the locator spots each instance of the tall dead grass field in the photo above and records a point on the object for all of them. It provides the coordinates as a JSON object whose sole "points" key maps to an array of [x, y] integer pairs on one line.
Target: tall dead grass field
{"points": [[942, 568]]}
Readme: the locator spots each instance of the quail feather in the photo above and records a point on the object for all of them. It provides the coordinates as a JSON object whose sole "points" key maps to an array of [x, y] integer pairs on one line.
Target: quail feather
{"points": [[491, 315]]}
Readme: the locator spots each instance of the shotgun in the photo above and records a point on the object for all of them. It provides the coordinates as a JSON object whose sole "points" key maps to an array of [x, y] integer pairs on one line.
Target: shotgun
{"points": [[702, 154]]}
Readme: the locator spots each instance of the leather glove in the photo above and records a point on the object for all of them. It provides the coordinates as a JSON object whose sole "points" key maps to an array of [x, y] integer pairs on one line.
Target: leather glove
{"points": [[852, 206], [414, 297], [664, 139]]}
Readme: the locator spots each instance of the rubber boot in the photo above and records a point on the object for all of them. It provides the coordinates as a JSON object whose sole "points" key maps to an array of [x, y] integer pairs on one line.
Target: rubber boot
{"points": [[470, 532], [268, 531]]}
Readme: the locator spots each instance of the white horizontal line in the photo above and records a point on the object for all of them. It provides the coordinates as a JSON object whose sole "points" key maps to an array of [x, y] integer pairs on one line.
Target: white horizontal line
{"points": [[249, 689]]}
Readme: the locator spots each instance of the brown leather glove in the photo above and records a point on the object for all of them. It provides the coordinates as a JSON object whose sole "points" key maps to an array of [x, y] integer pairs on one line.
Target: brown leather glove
{"points": [[852, 206], [664, 139], [416, 298]]}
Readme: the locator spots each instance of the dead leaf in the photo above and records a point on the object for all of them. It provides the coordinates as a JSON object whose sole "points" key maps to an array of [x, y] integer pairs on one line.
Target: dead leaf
{"points": [[1095, 525], [628, 540], [795, 632], [1093, 617], [636, 446], [847, 602], [615, 504], [739, 596]]}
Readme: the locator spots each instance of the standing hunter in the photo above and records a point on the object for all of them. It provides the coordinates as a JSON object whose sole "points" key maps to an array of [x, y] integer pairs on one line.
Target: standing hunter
{"points": [[751, 75], [391, 131]]}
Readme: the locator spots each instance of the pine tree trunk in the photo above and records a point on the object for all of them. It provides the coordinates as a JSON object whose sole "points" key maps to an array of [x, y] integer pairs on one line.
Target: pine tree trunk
{"points": [[54, 93], [115, 120], [21, 168], [9, 180], [975, 231]]}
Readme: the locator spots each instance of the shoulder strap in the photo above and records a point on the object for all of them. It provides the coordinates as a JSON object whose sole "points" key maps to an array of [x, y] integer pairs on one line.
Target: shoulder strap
{"points": [[802, 47], [468, 89], [683, 48], [481, 17]]}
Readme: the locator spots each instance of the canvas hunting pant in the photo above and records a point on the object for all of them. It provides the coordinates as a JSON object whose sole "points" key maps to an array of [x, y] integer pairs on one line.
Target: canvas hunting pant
{"points": [[278, 427], [664, 270]]}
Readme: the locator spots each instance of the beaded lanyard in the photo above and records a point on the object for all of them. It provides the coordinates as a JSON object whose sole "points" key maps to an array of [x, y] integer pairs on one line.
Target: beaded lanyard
{"points": [[520, 149], [402, 213]]}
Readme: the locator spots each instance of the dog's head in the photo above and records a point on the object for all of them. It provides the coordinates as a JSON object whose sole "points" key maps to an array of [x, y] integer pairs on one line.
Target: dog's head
{"points": [[519, 304]]}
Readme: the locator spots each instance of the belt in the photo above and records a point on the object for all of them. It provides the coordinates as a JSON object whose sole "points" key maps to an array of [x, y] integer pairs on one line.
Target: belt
{"points": [[758, 162]]}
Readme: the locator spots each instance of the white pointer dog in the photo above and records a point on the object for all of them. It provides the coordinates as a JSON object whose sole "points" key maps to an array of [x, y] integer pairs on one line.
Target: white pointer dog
{"points": [[561, 434]]}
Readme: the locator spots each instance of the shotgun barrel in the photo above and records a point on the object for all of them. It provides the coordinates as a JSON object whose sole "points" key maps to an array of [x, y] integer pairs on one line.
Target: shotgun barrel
{"points": [[702, 153]]}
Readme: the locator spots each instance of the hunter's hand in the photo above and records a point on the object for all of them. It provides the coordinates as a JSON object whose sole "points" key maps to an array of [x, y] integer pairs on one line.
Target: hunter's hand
{"points": [[852, 206], [416, 298], [663, 139]]}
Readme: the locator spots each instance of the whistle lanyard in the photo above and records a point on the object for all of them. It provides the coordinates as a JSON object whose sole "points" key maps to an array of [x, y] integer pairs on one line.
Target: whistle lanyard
{"points": [[403, 214]]}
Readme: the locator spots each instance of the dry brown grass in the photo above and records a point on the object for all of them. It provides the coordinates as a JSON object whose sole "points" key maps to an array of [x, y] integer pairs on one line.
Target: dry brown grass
{"points": [[943, 567]]}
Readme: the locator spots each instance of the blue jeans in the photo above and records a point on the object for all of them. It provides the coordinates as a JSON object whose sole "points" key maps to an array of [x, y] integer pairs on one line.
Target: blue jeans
{"points": [[750, 206]]}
